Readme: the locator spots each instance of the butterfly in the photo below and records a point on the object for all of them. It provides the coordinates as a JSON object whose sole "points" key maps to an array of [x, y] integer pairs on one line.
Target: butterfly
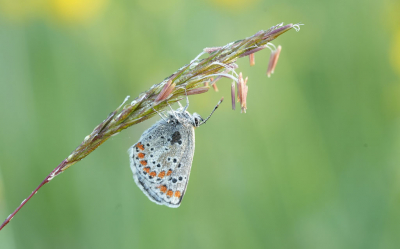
{"points": [[162, 158]]}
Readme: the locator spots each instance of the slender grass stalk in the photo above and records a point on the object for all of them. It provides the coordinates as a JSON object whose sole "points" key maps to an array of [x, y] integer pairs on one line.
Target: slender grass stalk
{"points": [[192, 78]]}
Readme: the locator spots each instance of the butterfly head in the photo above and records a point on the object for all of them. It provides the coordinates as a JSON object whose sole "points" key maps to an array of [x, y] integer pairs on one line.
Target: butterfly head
{"points": [[197, 120]]}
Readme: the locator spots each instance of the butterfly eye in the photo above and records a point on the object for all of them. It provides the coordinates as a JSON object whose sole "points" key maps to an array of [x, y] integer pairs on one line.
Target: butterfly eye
{"points": [[196, 121]]}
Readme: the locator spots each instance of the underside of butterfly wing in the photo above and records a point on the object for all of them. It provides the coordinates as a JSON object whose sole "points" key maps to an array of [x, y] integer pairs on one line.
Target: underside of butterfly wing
{"points": [[161, 161]]}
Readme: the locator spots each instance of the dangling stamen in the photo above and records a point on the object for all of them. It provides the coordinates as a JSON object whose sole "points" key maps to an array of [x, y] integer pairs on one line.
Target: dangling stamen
{"points": [[233, 96], [273, 60], [252, 60]]}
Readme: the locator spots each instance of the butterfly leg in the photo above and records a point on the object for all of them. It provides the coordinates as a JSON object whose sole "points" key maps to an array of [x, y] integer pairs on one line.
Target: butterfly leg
{"points": [[172, 110], [187, 100], [163, 118]]}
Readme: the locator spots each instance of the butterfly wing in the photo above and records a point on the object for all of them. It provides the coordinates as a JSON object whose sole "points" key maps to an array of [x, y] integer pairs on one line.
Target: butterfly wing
{"points": [[161, 162]]}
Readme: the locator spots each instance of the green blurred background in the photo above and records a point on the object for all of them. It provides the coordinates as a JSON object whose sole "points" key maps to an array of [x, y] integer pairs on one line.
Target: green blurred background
{"points": [[313, 164]]}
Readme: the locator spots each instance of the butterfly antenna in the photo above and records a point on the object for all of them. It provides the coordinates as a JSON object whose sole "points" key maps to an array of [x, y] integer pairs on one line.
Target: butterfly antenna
{"points": [[215, 108]]}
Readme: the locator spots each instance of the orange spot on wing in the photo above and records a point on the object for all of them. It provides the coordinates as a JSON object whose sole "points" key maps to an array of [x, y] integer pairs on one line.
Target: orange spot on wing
{"points": [[143, 162], [153, 174], [170, 193], [140, 146], [147, 169], [178, 194], [163, 188], [141, 155], [169, 172], [161, 174]]}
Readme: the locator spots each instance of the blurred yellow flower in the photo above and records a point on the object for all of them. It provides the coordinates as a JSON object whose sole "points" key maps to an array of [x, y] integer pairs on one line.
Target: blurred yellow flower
{"points": [[233, 4], [75, 11], [395, 52], [66, 11]]}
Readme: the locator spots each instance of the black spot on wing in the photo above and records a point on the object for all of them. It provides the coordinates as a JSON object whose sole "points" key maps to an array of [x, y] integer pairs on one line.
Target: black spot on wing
{"points": [[176, 137]]}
